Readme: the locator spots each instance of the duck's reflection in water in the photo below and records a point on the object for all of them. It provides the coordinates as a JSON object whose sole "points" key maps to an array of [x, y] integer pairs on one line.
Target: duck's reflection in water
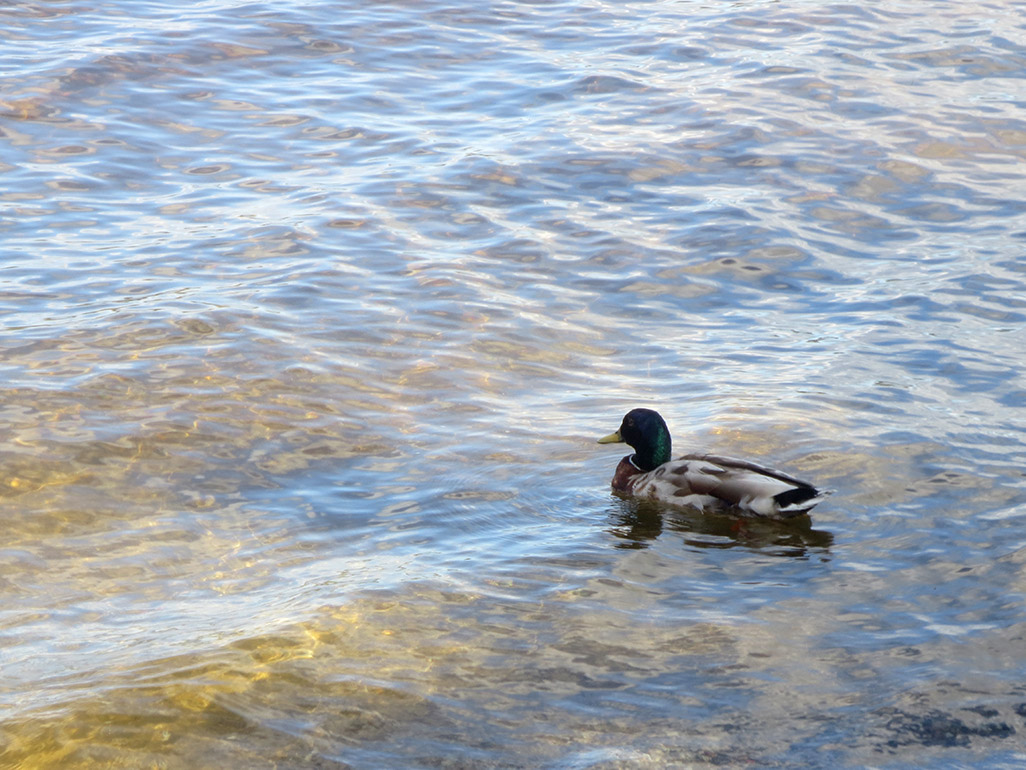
{"points": [[636, 523]]}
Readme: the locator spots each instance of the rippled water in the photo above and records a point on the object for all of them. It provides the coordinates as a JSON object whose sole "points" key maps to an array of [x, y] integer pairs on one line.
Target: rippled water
{"points": [[313, 313]]}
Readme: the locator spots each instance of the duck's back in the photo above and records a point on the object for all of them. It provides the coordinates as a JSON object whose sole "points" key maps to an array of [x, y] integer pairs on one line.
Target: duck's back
{"points": [[713, 481]]}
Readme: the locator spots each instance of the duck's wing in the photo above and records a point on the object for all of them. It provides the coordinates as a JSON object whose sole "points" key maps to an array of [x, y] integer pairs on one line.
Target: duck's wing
{"points": [[747, 465], [746, 485]]}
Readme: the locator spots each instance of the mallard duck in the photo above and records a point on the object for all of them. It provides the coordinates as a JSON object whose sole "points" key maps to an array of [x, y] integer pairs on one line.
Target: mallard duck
{"points": [[707, 482]]}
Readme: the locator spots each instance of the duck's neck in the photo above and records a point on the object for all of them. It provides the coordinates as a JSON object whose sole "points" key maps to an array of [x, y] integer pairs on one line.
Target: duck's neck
{"points": [[653, 453]]}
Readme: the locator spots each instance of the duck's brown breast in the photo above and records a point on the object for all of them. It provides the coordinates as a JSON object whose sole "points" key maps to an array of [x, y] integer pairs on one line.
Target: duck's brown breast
{"points": [[625, 475]]}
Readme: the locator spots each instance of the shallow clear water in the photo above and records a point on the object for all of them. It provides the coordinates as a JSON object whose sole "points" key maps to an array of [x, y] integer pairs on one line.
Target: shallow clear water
{"points": [[313, 313]]}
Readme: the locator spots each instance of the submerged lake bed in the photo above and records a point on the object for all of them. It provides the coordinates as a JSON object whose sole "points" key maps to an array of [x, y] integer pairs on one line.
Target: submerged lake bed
{"points": [[314, 314]]}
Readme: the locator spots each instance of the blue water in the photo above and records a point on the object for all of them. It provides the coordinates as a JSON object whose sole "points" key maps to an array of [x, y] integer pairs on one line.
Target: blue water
{"points": [[313, 314]]}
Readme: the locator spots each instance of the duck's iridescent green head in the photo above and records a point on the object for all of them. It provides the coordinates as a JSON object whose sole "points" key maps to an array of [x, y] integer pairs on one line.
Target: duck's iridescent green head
{"points": [[646, 431]]}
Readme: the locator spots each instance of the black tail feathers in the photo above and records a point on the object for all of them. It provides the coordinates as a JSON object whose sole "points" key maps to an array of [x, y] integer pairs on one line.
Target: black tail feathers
{"points": [[799, 499]]}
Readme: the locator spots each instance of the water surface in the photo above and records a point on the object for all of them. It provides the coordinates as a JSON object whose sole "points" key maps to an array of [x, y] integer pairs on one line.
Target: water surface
{"points": [[313, 313]]}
